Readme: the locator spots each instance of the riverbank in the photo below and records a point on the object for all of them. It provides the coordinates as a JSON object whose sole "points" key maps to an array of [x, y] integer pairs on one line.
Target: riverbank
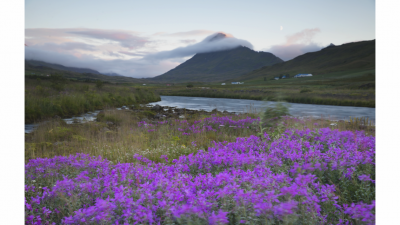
{"points": [[45, 99], [156, 130], [302, 95], [255, 106]]}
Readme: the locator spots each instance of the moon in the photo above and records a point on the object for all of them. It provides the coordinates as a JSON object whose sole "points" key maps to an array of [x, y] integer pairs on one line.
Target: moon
{"points": [[281, 28]]}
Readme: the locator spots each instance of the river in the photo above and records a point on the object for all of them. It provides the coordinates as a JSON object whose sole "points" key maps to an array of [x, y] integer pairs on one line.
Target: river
{"points": [[242, 105]]}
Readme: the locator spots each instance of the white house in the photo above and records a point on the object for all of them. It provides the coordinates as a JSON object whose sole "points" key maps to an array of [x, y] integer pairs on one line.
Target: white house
{"points": [[144, 84], [276, 78], [223, 84], [303, 75]]}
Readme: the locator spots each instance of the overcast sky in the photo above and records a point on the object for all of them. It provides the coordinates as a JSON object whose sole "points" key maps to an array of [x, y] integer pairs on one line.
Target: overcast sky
{"points": [[148, 38]]}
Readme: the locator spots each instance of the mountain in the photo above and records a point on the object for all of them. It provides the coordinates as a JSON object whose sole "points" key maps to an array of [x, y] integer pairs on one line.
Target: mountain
{"points": [[41, 69], [59, 67], [346, 57], [218, 66], [329, 46], [113, 74]]}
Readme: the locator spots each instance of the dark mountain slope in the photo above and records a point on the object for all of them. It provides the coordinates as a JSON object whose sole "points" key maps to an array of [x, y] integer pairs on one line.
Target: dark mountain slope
{"points": [[219, 66], [351, 56], [60, 67]]}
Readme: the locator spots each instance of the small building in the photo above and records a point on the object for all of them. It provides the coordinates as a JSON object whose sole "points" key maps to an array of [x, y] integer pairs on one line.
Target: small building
{"points": [[223, 84], [303, 75], [235, 82], [284, 77], [168, 85], [144, 84], [276, 78]]}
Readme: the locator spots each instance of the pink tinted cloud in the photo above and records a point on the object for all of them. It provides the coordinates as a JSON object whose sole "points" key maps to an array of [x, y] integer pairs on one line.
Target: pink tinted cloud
{"points": [[126, 39], [191, 33], [296, 44], [304, 36], [188, 41]]}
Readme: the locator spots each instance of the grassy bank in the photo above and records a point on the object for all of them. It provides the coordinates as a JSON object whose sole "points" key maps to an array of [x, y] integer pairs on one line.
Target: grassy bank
{"points": [[345, 88], [48, 97], [343, 98]]}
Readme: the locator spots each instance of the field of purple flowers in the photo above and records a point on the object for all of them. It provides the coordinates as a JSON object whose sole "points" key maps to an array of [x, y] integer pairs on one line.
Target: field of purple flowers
{"points": [[318, 176]]}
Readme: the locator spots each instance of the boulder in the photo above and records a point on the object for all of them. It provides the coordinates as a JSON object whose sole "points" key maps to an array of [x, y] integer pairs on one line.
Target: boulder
{"points": [[156, 108], [180, 110], [158, 116]]}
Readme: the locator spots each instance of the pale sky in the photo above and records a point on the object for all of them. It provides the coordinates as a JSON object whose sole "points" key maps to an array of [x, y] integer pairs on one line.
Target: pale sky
{"points": [[118, 36]]}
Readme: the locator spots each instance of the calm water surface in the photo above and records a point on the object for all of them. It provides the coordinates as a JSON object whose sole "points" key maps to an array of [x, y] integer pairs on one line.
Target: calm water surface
{"points": [[243, 105]]}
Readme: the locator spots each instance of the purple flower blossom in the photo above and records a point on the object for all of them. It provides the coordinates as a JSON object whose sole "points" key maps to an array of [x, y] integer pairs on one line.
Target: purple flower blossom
{"points": [[260, 175], [365, 177]]}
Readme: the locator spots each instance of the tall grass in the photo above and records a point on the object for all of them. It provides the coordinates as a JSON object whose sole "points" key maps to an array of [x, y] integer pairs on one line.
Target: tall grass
{"points": [[43, 101], [121, 134]]}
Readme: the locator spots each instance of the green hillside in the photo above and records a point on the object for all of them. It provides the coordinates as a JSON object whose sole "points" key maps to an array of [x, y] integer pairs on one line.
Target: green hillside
{"points": [[346, 57], [219, 66], [41, 70]]}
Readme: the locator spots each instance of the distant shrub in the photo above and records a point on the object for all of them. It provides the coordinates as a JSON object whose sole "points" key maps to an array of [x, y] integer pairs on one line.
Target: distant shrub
{"points": [[305, 90], [189, 85], [57, 82], [84, 87], [39, 89], [273, 113], [99, 84]]}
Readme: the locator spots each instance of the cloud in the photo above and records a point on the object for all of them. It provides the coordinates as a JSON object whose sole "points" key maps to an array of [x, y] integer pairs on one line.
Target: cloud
{"points": [[212, 43], [131, 67], [187, 41], [304, 36], [192, 33], [68, 46], [296, 44], [111, 53], [136, 53], [127, 39]]}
